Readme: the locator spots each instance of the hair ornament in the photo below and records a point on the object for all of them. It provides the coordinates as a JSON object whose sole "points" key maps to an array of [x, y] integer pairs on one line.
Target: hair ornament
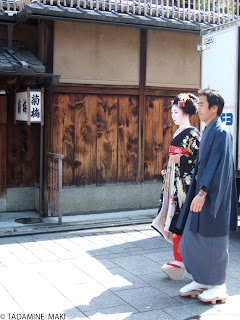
{"points": [[183, 98]]}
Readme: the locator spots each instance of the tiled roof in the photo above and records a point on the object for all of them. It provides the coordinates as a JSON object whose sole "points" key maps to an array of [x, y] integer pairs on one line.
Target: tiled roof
{"points": [[38, 10], [18, 59]]}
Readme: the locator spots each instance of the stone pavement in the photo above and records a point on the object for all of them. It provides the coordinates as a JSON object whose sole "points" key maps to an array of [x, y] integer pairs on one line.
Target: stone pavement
{"points": [[105, 273]]}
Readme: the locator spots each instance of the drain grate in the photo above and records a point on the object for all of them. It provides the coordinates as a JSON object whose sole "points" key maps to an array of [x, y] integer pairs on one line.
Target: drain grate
{"points": [[28, 220]]}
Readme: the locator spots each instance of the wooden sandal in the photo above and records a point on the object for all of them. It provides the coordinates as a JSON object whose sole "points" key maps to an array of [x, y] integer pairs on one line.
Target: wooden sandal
{"points": [[174, 273], [215, 299], [192, 293]]}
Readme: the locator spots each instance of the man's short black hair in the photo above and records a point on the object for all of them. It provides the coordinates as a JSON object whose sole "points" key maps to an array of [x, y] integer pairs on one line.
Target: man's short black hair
{"points": [[214, 98]]}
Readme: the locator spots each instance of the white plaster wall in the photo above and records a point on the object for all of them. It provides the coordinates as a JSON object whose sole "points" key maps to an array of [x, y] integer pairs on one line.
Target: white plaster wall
{"points": [[96, 54], [173, 59]]}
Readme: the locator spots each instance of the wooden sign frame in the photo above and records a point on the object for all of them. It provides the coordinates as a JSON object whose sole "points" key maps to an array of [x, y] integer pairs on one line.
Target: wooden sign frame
{"points": [[29, 105]]}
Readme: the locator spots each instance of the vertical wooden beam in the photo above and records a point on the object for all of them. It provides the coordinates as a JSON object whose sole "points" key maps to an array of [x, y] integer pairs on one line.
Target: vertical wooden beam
{"points": [[142, 98], [29, 107], [42, 106], [41, 153], [14, 106], [10, 35], [48, 62], [48, 45], [3, 152]]}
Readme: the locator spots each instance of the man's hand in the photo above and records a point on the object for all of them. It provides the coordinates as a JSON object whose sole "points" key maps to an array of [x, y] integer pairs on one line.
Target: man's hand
{"points": [[197, 203], [175, 158]]}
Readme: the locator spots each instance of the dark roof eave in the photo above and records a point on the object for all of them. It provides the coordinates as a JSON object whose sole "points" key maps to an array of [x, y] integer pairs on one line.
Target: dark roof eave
{"points": [[41, 11], [5, 18], [33, 75], [28, 74]]}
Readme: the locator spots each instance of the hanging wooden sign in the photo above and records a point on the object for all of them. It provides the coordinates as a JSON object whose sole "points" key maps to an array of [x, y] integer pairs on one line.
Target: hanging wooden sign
{"points": [[29, 106]]}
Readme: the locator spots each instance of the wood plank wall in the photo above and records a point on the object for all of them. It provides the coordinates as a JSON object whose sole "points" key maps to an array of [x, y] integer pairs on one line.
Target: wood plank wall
{"points": [[98, 135], [23, 145], [3, 146], [96, 131]]}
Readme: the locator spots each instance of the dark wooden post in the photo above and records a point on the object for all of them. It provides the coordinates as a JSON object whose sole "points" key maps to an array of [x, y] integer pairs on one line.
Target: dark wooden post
{"points": [[3, 152], [10, 35], [48, 45], [48, 62], [142, 98]]}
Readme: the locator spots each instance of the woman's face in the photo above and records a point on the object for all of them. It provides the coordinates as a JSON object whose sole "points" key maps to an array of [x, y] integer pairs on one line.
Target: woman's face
{"points": [[177, 115]]}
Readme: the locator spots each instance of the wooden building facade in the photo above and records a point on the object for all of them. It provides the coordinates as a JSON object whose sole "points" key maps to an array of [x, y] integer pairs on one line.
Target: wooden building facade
{"points": [[109, 115]]}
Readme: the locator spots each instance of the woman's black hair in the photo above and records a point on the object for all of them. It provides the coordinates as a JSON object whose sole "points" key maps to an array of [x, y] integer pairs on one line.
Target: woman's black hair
{"points": [[187, 103]]}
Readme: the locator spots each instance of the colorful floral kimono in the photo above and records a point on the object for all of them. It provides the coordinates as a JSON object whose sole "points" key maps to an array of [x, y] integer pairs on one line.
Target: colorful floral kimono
{"points": [[176, 182]]}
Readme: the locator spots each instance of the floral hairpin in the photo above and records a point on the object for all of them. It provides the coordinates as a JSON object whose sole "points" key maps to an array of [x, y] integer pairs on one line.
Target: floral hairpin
{"points": [[183, 98]]}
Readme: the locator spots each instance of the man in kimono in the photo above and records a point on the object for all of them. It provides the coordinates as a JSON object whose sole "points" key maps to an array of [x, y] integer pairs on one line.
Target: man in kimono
{"points": [[210, 210]]}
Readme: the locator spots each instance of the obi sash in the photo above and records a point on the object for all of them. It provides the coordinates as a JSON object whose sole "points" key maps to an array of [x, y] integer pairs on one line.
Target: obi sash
{"points": [[178, 150]]}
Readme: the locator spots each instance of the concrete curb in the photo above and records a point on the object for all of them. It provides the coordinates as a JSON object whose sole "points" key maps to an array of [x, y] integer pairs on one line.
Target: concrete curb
{"points": [[72, 226]]}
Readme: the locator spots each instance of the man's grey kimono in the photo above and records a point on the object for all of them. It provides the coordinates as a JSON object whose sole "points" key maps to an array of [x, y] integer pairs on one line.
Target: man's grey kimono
{"points": [[204, 245]]}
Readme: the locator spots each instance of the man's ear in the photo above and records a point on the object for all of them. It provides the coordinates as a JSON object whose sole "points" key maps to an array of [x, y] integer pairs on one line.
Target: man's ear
{"points": [[214, 109]]}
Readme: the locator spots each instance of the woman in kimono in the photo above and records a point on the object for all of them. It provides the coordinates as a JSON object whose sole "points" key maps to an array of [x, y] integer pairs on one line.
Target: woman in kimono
{"points": [[177, 177]]}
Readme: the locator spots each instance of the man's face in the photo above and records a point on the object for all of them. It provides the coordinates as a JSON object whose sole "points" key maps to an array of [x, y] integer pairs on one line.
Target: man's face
{"points": [[204, 113]]}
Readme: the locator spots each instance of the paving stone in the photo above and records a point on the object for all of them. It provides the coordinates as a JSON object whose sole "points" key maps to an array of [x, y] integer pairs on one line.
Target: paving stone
{"points": [[233, 269], [231, 307], [234, 255], [42, 253], [167, 249], [114, 239], [71, 246], [107, 263], [116, 313], [85, 244], [92, 266], [104, 243], [61, 275], [149, 315], [9, 305], [110, 273], [234, 241], [232, 248], [24, 239], [106, 278], [135, 235], [92, 296], [137, 264], [23, 254], [56, 249], [28, 288], [233, 286], [161, 282], [7, 240], [148, 243], [74, 314], [160, 257], [130, 247], [52, 309], [119, 279], [217, 317], [185, 311], [8, 258], [106, 254], [147, 298]]}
